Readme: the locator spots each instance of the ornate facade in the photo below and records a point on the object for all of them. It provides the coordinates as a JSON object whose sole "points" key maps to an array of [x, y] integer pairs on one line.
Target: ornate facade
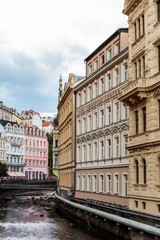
{"points": [[102, 124], [143, 98]]}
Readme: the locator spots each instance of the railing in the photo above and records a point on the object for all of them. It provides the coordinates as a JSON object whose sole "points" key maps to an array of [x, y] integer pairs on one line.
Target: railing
{"points": [[141, 83]]}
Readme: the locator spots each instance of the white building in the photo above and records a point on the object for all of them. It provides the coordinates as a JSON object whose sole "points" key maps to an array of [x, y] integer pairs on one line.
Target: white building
{"points": [[14, 148]]}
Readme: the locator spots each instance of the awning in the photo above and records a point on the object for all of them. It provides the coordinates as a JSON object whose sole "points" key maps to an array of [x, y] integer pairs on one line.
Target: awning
{"points": [[16, 174], [12, 174]]}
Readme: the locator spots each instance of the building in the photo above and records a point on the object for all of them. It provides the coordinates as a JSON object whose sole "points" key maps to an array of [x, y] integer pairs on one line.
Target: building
{"points": [[47, 126], [143, 98], [14, 148], [102, 124], [36, 154], [55, 133], [3, 141], [66, 124], [9, 114], [31, 118]]}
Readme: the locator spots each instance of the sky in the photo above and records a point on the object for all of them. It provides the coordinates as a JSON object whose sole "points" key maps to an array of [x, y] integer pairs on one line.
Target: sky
{"points": [[41, 39]]}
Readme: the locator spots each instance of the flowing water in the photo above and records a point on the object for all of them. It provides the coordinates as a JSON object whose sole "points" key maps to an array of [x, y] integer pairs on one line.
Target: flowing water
{"points": [[23, 218]]}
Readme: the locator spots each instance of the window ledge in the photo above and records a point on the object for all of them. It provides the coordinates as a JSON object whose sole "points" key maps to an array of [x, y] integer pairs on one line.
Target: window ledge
{"points": [[138, 39], [156, 24], [142, 185]]}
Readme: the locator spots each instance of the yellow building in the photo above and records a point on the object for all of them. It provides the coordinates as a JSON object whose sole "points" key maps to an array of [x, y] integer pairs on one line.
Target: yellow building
{"points": [[3, 141], [142, 95], [66, 123]]}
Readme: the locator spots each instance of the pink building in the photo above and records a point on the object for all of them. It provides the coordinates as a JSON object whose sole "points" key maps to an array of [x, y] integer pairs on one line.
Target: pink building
{"points": [[36, 154], [102, 161]]}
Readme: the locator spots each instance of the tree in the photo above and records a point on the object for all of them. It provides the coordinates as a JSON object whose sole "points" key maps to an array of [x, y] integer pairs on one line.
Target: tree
{"points": [[50, 152], [3, 169]]}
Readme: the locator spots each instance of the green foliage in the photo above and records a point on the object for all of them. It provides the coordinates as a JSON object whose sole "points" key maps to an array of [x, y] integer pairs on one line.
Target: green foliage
{"points": [[50, 152], [3, 169]]}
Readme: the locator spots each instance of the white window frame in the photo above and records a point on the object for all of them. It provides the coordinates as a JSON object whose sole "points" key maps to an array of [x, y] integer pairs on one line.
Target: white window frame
{"points": [[89, 122], [90, 69], [116, 183], [101, 183], [116, 48], [125, 184], [108, 183], [94, 187], [102, 59], [84, 153], [89, 151], [89, 183], [95, 150], [109, 53], [95, 64], [83, 182], [78, 182]]}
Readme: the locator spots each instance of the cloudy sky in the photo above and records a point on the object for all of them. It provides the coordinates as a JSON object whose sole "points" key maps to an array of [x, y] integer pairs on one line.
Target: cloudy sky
{"points": [[41, 39]]}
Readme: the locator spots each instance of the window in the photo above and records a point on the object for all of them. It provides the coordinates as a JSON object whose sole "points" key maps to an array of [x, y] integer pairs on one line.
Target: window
{"points": [[33, 153], [109, 115], [29, 152], [158, 205], [101, 150], [158, 9], [109, 81], [56, 159], [90, 69], [33, 142], [89, 93], [144, 205], [95, 64], [94, 183], [37, 143], [89, 123], [79, 126], [109, 53], [117, 77], [109, 148], [95, 120], [135, 66], [79, 153], [144, 119], [144, 172], [116, 184], [101, 183], [117, 146], [84, 125], [25, 152], [88, 183], [136, 204], [102, 59], [95, 151], [79, 99], [126, 72], [56, 143], [139, 63], [89, 152], [84, 96], [84, 153], [101, 118], [139, 27], [30, 142], [143, 24], [126, 112], [116, 48], [26, 141], [108, 183], [95, 89], [83, 183], [159, 57], [78, 183], [101, 86], [137, 172], [125, 145], [125, 183], [117, 112], [135, 30], [136, 116]]}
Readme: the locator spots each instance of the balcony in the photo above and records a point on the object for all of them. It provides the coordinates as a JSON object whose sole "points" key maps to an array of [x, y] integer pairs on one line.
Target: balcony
{"points": [[16, 144], [134, 92]]}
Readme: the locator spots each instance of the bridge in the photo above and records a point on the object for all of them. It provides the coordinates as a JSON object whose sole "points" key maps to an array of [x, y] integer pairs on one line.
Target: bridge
{"points": [[29, 185]]}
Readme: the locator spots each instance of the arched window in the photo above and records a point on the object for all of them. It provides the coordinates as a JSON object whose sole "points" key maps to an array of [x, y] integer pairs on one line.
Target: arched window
{"points": [[144, 172], [137, 171]]}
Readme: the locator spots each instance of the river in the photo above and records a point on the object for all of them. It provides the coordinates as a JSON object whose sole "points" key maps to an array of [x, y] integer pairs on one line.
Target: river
{"points": [[23, 218]]}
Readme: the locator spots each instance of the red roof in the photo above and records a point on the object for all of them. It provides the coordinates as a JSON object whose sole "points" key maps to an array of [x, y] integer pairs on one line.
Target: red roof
{"points": [[46, 124]]}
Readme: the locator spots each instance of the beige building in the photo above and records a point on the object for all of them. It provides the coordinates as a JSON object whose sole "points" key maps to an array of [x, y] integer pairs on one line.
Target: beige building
{"points": [[66, 123], [55, 133], [3, 141], [10, 114], [142, 95]]}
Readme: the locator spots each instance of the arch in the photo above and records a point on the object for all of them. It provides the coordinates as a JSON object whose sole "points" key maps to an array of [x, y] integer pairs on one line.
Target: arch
{"points": [[115, 129], [107, 132]]}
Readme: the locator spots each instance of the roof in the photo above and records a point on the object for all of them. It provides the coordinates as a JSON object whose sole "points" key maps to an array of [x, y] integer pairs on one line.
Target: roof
{"points": [[106, 42], [46, 124], [4, 122]]}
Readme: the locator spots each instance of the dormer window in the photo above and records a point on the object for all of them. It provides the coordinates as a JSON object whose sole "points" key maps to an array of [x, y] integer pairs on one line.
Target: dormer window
{"points": [[90, 69], [102, 59], [116, 48]]}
